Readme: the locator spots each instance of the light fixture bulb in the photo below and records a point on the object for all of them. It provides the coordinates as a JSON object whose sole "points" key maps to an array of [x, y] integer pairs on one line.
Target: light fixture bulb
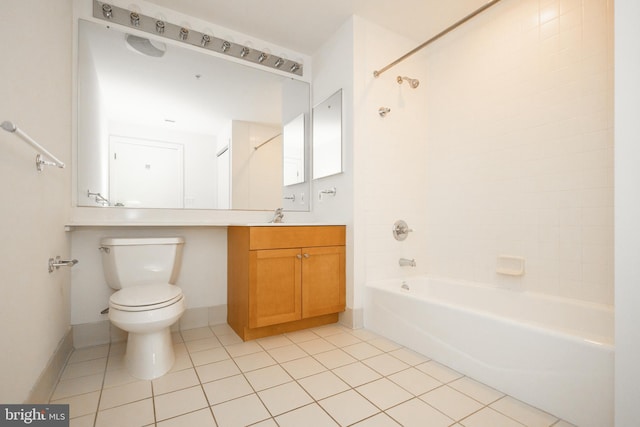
{"points": [[107, 11], [135, 19]]}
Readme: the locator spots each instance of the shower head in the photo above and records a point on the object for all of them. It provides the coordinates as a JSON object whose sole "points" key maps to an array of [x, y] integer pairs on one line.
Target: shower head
{"points": [[414, 83], [145, 46]]}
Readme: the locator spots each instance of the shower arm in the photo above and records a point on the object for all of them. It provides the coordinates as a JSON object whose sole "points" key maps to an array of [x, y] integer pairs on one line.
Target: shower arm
{"points": [[414, 83]]}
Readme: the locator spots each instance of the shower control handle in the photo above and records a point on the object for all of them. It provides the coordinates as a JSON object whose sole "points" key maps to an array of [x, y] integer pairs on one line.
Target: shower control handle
{"points": [[401, 230]]}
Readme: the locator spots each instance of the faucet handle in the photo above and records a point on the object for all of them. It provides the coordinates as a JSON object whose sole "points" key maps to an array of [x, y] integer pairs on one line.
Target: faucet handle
{"points": [[277, 216]]}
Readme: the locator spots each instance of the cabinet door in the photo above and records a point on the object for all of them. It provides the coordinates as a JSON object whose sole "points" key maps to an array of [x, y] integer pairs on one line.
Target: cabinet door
{"points": [[323, 280], [274, 287]]}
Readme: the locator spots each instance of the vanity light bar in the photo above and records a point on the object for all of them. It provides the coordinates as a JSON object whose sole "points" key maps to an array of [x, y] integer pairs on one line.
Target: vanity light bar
{"points": [[127, 18]]}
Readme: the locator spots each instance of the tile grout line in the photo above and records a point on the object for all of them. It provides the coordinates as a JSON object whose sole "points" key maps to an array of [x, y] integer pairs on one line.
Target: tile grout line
{"points": [[326, 369], [193, 366], [413, 396], [296, 380], [104, 375]]}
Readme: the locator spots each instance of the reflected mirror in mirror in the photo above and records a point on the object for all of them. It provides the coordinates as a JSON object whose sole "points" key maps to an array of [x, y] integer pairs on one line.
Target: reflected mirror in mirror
{"points": [[294, 151], [166, 126], [327, 136]]}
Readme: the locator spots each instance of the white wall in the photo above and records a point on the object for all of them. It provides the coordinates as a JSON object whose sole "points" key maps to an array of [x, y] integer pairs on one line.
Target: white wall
{"points": [[203, 277], [256, 175], [520, 148], [389, 154], [333, 70], [627, 212], [36, 94]]}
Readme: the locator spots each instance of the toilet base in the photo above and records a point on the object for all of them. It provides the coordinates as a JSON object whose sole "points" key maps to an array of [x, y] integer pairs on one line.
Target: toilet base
{"points": [[149, 355]]}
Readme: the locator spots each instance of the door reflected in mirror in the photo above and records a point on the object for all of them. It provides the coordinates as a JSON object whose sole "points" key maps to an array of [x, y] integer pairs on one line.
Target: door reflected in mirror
{"points": [[146, 173], [180, 130], [327, 137]]}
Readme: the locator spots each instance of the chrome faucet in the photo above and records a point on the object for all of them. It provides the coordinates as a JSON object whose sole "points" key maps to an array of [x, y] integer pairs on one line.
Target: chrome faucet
{"points": [[407, 262], [278, 215]]}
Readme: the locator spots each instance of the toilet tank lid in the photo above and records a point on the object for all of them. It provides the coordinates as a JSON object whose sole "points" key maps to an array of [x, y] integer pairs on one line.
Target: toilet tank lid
{"points": [[125, 241]]}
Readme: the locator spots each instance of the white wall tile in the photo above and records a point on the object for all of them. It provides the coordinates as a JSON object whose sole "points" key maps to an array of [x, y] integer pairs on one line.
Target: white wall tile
{"points": [[519, 118]]}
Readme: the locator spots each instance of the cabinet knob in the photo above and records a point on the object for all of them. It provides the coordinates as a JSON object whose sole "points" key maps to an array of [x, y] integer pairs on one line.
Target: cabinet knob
{"points": [[299, 256], [306, 255]]}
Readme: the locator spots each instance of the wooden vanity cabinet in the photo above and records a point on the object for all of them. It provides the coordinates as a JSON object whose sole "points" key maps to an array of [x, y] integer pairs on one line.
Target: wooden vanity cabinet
{"points": [[284, 278]]}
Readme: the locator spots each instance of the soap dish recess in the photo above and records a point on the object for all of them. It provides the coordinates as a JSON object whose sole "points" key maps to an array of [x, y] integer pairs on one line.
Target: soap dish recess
{"points": [[510, 265]]}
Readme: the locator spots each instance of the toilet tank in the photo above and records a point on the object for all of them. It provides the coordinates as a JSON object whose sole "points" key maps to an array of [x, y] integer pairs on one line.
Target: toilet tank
{"points": [[134, 261]]}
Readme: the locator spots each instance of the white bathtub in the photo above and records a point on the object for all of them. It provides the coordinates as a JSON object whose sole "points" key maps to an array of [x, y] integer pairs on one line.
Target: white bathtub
{"points": [[552, 353]]}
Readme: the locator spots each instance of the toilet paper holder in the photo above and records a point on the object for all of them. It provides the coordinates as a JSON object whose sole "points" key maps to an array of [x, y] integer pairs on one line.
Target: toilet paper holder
{"points": [[57, 262]]}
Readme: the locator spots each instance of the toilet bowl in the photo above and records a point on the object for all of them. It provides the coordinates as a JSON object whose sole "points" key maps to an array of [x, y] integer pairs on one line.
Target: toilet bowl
{"points": [[147, 302], [147, 312]]}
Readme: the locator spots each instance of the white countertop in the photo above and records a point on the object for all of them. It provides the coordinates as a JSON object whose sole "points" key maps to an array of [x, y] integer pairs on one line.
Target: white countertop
{"points": [[99, 217]]}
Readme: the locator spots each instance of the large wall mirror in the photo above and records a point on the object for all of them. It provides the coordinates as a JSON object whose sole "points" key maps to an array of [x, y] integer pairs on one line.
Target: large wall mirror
{"points": [[327, 136], [165, 126]]}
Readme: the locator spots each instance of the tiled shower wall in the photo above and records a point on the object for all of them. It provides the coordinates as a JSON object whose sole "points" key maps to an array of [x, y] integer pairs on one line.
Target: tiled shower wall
{"points": [[519, 147]]}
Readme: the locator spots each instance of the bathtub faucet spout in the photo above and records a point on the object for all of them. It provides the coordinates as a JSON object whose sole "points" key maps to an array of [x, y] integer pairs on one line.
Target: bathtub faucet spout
{"points": [[407, 262]]}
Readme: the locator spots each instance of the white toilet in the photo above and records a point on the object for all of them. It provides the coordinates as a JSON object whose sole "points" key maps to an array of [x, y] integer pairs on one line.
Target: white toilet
{"points": [[146, 303]]}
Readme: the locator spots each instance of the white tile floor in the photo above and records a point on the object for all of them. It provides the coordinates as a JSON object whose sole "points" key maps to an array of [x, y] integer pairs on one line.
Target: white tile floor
{"points": [[327, 376]]}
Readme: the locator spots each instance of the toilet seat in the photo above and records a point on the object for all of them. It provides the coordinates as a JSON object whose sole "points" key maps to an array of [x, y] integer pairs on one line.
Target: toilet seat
{"points": [[145, 297]]}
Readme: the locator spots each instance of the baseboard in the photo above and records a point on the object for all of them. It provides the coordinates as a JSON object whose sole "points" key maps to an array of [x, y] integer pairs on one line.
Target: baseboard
{"points": [[352, 318], [90, 334], [44, 386], [218, 314]]}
